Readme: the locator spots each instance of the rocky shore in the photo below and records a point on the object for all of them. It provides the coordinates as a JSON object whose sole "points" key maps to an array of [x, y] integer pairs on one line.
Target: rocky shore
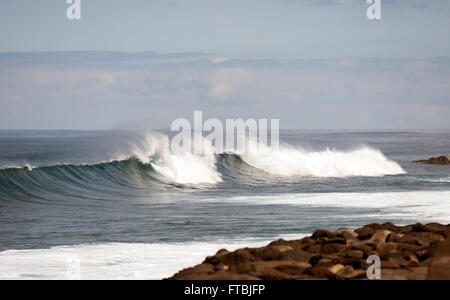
{"points": [[441, 160], [412, 252]]}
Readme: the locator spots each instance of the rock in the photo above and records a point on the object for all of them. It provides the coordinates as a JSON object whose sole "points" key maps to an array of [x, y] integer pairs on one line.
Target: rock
{"points": [[365, 246], [315, 259], [222, 252], [380, 236], [346, 234], [354, 254], [386, 249], [334, 269], [345, 273], [334, 240], [321, 234], [195, 272], [440, 263], [423, 238], [419, 228], [423, 255], [401, 274], [440, 160], [406, 252], [293, 268], [273, 252], [232, 258], [412, 261], [320, 272], [332, 248], [312, 248], [294, 255], [359, 274], [389, 265], [365, 233], [325, 262], [395, 237]]}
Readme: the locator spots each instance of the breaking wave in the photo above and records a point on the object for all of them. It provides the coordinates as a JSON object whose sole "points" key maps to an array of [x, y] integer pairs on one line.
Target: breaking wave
{"points": [[294, 161], [150, 161]]}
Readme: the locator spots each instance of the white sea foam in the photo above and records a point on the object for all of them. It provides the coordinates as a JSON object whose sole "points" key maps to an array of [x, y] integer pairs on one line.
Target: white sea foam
{"points": [[421, 206], [111, 261], [295, 161], [437, 180]]}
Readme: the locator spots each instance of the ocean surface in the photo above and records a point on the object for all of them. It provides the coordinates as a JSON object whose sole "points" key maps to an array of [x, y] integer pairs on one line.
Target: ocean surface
{"points": [[121, 205]]}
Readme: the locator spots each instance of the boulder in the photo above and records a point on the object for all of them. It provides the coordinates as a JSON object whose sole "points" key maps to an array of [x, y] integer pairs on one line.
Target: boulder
{"points": [[440, 160], [321, 234], [335, 268], [320, 272], [365, 233], [406, 252]]}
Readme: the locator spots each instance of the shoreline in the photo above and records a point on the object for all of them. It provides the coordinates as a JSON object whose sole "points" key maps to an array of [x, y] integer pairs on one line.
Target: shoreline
{"points": [[411, 252]]}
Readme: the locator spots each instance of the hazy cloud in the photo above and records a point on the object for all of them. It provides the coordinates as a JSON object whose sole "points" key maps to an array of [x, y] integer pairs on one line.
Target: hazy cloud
{"points": [[331, 93]]}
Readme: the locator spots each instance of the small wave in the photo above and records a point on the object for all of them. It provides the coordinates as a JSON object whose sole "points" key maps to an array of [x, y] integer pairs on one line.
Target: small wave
{"points": [[434, 179]]}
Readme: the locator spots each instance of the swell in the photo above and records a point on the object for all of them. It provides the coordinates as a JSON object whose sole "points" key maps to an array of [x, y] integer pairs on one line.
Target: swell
{"points": [[132, 176], [99, 181], [150, 165]]}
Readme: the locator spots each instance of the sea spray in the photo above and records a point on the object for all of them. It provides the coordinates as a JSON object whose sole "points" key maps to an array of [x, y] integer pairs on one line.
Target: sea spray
{"points": [[289, 160]]}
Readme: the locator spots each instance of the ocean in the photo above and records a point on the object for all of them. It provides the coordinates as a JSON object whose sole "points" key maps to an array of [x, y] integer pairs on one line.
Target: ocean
{"points": [[122, 206]]}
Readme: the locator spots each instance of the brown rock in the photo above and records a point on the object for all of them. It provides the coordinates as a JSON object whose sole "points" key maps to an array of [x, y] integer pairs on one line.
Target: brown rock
{"points": [[358, 254], [312, 248], [232, 258], [295, 255], [335, 268], [406, 253], [273, 252], [334, 240], [345, 273], [346, 234], [440, 263], [359, 274], [389, 265], [292, 268], [332, 248], [423, 239], [320, 272], [395, 237], [438, 228], [365, 233], [401, 274], [440, 160], [321, 234], [419, 228], [424, 254], [386, 249], [380, 236], [195, 272]]}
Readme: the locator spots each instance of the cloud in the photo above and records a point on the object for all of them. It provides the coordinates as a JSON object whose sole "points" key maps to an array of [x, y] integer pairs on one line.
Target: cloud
{"points": [[399, 3], [330, 93], [227, 80], [219, 60]]}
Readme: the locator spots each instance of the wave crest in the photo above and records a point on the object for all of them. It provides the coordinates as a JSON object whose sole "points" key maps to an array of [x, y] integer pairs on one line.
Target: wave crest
{"points": [[151, 157], [295, 161]]}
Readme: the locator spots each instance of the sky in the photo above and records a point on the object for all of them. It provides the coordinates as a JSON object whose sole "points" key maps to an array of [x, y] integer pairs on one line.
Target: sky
{"points": [[310, 63]]}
